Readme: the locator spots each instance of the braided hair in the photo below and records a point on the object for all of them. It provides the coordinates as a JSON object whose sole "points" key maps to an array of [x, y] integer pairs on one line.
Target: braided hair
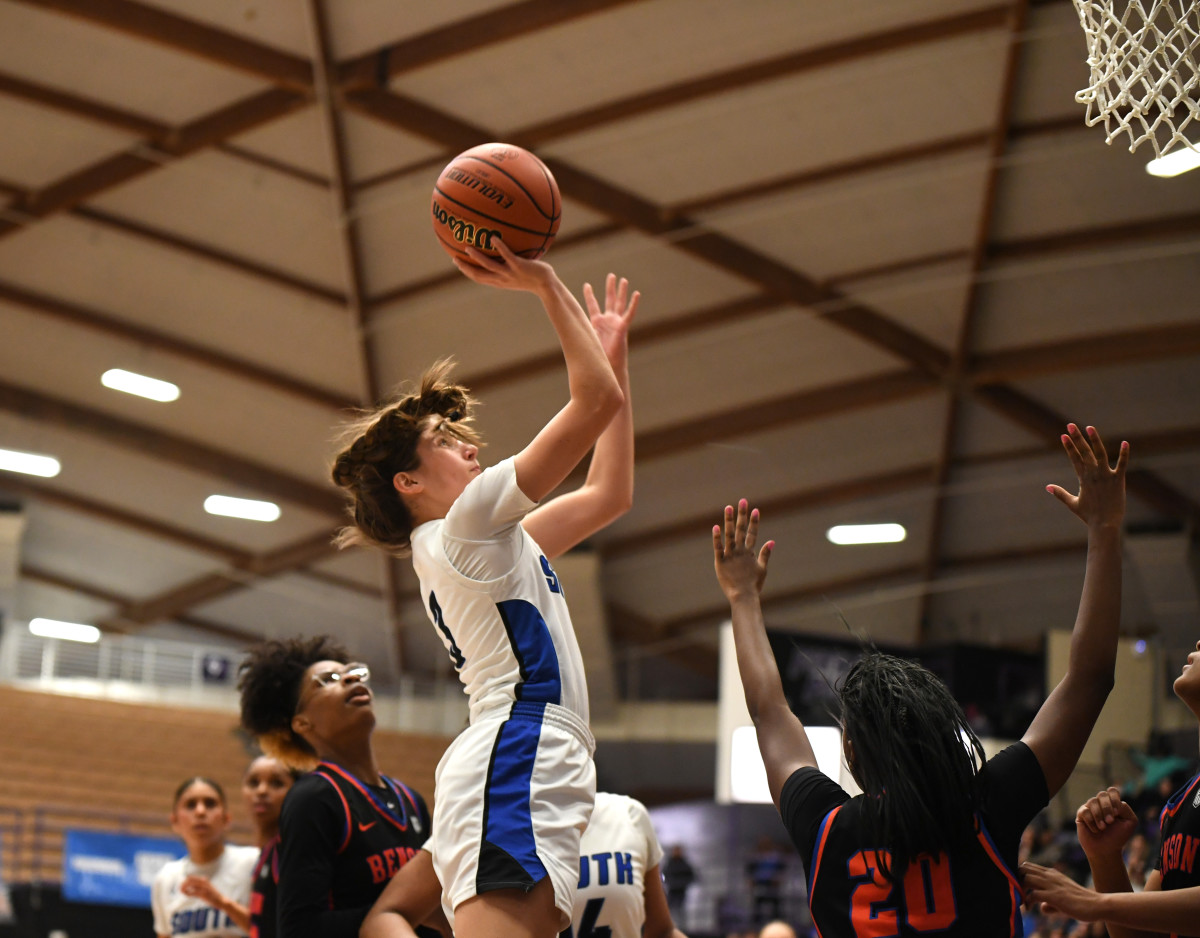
{"points": [[270, 680], [383, 442], [915, 757]]}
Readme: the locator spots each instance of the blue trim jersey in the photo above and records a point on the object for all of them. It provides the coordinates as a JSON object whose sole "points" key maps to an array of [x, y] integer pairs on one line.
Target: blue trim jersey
{"points": [[496, 602], [971, 893], [619, 848], [183, 916], [1179, 839]]}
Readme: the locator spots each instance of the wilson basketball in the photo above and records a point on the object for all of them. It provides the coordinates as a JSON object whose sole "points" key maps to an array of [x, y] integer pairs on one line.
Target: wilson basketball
{"points": [[495, 191]]}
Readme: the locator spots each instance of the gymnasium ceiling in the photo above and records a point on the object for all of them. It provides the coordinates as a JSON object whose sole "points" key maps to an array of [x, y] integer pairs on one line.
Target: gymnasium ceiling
{"points": [[883, 263]]}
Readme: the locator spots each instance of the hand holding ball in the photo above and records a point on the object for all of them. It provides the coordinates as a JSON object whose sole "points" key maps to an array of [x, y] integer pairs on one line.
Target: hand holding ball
{"points": [[496, 191]]}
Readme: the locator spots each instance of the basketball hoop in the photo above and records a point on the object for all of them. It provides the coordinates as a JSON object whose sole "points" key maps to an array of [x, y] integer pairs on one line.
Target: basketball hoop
{"points": [[1145, 71]]}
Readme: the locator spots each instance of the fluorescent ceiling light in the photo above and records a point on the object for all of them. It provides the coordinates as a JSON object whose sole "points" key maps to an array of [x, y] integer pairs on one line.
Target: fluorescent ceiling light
{"points": [[132, 383], [248, 508], [1174, 163], [71, 631], [29, 463], [866, 533]]}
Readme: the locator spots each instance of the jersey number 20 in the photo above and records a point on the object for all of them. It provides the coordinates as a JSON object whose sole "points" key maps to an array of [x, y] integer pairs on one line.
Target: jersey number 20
{"points": [[928, 896]]}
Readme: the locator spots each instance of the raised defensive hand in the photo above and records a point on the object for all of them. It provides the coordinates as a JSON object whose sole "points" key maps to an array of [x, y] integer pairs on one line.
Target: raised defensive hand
{"points": [[1101, 498], [612, 323], [739, 569], [1104, 823]]}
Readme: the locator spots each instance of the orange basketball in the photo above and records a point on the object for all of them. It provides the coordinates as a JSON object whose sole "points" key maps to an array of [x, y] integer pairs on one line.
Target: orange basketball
{"points": [[495, 191]]}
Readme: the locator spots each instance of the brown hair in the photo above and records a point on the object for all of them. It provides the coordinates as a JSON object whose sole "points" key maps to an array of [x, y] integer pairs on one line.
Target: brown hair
{"points": [[382, 442]]}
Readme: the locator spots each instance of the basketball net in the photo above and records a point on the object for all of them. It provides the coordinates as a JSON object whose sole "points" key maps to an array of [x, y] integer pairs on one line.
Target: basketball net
{"points": [[1145, 75]]}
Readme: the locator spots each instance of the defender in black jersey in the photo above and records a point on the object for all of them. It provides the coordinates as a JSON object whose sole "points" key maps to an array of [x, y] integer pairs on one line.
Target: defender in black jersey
{"points": [[931, 844], [345, 828], [1169, 903], [341, 840]]}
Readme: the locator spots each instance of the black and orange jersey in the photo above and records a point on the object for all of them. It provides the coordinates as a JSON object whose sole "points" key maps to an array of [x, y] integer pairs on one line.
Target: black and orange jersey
{"points": [[341, 841], [262, 891], [1178, 859], [971, 893]]}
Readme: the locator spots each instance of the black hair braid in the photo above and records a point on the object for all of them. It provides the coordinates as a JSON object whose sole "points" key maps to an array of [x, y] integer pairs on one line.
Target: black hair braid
{"points": [[915, 757]]}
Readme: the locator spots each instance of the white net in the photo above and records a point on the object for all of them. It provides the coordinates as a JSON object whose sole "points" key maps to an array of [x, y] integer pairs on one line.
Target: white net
{"points": [[1145, 77]]}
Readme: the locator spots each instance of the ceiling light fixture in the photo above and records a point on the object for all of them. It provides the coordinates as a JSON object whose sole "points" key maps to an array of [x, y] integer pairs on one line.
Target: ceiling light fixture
{"points": [[1174, 164], [31, 464], [248, 508], [866, 533], [133, 383], [70, 631]]}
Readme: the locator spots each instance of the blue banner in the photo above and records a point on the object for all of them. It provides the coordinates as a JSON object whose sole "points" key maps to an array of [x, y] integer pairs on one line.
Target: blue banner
{"points": [[114, 869]]}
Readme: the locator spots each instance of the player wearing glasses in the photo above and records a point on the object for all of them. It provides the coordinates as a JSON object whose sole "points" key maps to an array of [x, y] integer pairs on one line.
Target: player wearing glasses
{"points": [[345, 828]]}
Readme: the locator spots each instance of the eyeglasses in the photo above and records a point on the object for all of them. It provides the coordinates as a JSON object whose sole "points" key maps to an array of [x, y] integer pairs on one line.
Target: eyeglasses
{"points": [[353, 672]]}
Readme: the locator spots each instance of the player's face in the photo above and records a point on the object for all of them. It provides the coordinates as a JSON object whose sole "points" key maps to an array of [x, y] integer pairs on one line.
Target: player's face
{"points": [[199, 816], [265, 784], [335, 701], [1187, 685], [446, 466]]}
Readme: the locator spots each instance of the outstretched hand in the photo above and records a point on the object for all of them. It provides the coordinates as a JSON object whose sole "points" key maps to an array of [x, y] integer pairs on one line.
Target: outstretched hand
{"points": [[1051, 892], [739, 569], [508, 272], [1101, 498], [612, 323]]}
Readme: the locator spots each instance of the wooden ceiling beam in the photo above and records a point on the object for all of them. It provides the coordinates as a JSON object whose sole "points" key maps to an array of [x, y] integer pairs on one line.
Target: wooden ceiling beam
{"points": [[112, 171], [191, 36], [169, 447], [85, 108], [821, 496], [1014, 16], [352, 261], [1152, 343], [110, 514], [72, 585], [723, 252], [236, 262], [343, 195], [1039, 247], [1049, 425], [168, 344], [789, 409], [407, 291], [267, 162], [772, 69], [378, 67], [170, 603]]}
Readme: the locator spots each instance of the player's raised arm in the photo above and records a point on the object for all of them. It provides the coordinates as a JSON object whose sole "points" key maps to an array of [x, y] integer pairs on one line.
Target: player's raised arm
{"points": [[1061, 728], [607, 493], [595, 393], [741, 572]]}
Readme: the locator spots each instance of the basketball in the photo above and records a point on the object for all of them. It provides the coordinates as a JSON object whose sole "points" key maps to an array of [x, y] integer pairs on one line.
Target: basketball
{"points": [[492, 191]]}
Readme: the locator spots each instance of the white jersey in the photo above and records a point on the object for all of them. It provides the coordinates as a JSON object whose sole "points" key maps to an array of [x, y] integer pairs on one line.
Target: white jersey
{"points": [[176, 914], [618, 848], [496, 601]]}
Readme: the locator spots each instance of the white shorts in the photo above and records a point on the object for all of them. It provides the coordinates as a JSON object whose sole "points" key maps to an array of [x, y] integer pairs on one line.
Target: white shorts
{"points": [[512, 796]]}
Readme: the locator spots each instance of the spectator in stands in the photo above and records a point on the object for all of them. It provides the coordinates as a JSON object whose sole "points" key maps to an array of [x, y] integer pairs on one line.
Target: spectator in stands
{"points": [[777, 929], [345, 828], [678, 875], [264, 786], [181, 894]]}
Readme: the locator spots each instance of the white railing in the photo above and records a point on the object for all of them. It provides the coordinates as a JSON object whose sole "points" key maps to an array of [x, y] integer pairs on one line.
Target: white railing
{"points": [[146, 670]]}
